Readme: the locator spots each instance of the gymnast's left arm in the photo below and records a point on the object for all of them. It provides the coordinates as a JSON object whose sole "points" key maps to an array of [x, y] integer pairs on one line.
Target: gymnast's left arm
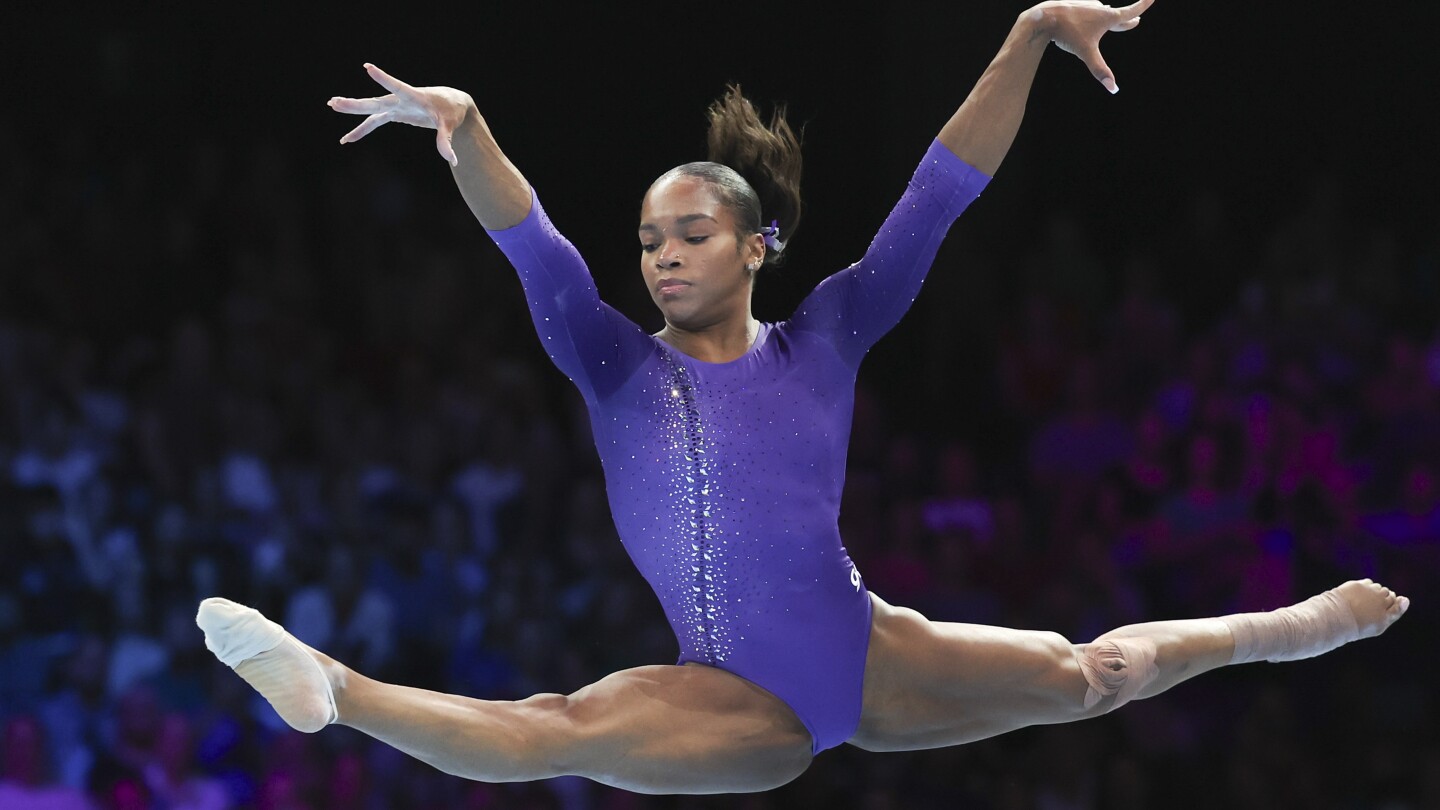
{"points": [[982, 130], [856, 306]]}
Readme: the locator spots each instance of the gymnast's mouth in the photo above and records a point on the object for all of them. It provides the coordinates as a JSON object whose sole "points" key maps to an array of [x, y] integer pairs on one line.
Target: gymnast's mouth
{"points": [[670, 286]]}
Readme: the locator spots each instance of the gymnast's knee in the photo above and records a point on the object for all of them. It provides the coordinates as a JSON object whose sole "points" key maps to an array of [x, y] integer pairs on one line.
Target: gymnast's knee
{"points": [[538, 739], [1118, 666]]}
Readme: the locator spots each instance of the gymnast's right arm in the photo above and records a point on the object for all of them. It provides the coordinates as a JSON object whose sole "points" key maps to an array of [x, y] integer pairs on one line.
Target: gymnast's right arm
{"points": [[496, 192], [585, 338]]}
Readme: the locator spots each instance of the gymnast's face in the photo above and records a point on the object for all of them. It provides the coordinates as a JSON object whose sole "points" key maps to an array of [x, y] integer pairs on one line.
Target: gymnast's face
{"points": [[690, 256]]}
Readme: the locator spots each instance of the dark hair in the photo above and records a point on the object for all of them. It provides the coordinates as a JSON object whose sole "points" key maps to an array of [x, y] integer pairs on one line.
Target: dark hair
{"points": [[753, 167]]}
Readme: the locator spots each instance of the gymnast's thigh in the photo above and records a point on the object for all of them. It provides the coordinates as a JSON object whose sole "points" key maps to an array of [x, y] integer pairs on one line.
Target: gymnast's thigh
{"points": [[684, 729], [931, 684]]}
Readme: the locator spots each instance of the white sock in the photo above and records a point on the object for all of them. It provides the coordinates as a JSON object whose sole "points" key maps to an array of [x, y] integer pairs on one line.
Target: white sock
{"points": [[271, 660]]}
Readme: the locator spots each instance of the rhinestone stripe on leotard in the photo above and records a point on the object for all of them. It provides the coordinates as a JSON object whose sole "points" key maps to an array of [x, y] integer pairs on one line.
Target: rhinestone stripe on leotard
{"points": [[724, 479]]}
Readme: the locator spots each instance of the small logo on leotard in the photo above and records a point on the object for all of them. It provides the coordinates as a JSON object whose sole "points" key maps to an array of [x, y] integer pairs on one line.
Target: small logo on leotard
{"points": [[855, 578]]}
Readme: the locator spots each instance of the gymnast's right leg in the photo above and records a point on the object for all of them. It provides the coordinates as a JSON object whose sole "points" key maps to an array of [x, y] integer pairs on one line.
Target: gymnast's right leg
{"points": [[658, 729]]}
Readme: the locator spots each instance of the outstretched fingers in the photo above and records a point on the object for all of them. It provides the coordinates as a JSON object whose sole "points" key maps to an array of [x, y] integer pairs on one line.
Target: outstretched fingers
{"points": [[1079, 25], [1125, 19], [362, 106], [1098, 67], [367, 126], [439, 108], [1134, 9], [443, 145], [378, 111], [389, 82]]}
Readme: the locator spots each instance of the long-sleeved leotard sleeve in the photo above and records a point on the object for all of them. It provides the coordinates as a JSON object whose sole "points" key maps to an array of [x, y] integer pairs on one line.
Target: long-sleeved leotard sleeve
{"points": [[853, 308], [595, 346], [598, 348]]}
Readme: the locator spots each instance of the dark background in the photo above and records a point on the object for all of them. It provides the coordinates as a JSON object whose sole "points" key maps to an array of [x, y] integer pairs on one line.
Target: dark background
{"points": [[1267, 107], [1253, 102], [1308, 128]]}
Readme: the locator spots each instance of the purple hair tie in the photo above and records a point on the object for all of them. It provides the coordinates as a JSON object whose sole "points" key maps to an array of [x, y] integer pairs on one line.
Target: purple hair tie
{"points": [[772, 236]]}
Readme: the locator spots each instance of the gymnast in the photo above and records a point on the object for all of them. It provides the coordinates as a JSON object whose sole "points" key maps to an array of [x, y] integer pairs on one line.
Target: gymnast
{"points": [[723, 441]]}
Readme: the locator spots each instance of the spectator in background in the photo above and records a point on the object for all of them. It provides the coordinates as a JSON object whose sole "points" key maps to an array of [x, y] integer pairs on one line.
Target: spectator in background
{"points": [[1084, 439], [171, 775], [78, 280], [24, 779]]}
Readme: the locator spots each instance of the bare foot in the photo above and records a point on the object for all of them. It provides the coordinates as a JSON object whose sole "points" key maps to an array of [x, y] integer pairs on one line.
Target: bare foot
{"points": [[1374, 606], [285, 672]]}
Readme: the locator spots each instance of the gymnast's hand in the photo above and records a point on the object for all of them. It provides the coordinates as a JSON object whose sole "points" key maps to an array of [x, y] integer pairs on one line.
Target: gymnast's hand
{"points": [[1076, 26], [442, 109]]}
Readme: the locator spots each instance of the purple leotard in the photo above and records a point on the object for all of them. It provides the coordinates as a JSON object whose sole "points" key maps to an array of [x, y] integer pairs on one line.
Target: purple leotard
{"points": [[724, 479]]}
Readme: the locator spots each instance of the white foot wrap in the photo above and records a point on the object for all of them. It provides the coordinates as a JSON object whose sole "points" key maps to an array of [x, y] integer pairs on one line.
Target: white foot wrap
{"points": [[235, 632], [1119, 667], [1313, 627], [280, 668]]}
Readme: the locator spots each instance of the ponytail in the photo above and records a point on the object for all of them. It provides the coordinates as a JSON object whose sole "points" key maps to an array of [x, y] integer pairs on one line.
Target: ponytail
{"points": [[767, 156], [754, 168]]}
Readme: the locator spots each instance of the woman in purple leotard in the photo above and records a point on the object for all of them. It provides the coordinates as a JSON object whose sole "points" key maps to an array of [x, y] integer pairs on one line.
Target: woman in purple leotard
{"points": [[723, 441]]}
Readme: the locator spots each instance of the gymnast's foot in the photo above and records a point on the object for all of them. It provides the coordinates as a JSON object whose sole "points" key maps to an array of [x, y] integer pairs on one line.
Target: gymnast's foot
{"points": [[293, 677], [1358, 609], [1374, 606]]}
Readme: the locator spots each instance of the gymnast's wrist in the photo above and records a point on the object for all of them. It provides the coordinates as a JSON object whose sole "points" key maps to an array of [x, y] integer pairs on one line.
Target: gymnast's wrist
{"points": [[1036, 25]]}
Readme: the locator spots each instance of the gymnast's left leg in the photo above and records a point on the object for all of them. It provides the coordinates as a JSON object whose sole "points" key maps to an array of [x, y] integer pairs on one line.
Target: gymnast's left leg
{"points": [[932, 684]]}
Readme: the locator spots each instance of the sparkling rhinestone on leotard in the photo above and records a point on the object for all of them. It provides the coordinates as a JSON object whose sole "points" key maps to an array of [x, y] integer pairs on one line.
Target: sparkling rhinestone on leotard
{"points": [[725, 479]]}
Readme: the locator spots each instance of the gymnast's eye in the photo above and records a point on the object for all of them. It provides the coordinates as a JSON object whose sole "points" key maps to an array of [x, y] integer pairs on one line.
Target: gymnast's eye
{"points": [[695, 240], [648, 247]]}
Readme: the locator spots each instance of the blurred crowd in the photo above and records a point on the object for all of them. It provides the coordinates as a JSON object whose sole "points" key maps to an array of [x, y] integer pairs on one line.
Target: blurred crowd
{"points": [[320, 395]]}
